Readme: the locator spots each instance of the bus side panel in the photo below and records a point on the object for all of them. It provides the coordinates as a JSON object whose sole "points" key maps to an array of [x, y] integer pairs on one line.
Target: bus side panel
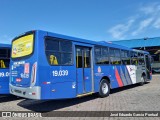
{"points": [[4, 81], [126, 75], [63, 90], [44, 76], [119, 75], [116, 77], [108, 71], [124, 82], [79, 81], [55, 81], [56, 84], [63, 82]]}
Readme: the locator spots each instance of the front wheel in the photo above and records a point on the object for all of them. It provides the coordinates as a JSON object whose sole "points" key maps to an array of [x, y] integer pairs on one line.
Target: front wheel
{"points": [[104, 88]]}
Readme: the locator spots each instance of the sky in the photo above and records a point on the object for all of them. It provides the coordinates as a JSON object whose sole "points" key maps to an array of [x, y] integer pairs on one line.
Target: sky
{"points": [[97, 20]]}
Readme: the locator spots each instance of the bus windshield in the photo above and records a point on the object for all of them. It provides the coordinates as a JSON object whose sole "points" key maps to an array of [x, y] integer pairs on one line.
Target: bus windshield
{"points": [[22, 46]]}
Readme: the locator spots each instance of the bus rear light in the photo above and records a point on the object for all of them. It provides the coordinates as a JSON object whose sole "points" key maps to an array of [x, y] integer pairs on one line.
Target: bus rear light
{"points": [[18, 79], [33, 93], [33, 76], [46, 82]]}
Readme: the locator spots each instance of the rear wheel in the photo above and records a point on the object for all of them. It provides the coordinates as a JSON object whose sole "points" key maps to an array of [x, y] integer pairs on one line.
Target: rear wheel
{"points": [[143, 80], [104, 88]]}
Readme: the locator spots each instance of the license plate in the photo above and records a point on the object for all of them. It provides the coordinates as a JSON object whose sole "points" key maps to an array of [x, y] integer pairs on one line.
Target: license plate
{"points": [[17, 91]]}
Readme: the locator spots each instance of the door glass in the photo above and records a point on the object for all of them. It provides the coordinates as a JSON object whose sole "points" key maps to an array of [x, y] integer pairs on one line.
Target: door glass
{"points": [[79, 58], [87, 58], [83, 58]]}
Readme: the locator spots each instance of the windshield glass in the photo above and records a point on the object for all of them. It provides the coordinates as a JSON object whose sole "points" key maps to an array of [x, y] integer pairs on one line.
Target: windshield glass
{"points": [[22, 46]]}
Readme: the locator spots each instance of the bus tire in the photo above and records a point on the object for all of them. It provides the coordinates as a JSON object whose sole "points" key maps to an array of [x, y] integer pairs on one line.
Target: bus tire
{"points": [[143, 80], [104, 88]]}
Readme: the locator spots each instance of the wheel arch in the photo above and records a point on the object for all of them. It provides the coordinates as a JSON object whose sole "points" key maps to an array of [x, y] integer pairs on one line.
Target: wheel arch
{"points": [[143, 74], [106, 78]]}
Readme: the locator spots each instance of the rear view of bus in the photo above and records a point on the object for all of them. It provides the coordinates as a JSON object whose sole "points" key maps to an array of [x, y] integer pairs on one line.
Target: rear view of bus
{"points": [[23, 66], [4, 68]]}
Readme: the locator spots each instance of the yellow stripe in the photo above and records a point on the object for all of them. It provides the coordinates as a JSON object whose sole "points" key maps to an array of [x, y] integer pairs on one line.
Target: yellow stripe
{"points": [[81, 95]]}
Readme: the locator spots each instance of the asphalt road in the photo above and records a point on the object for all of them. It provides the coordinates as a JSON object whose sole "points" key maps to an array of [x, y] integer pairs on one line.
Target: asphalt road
{"points": [[129, 98]]}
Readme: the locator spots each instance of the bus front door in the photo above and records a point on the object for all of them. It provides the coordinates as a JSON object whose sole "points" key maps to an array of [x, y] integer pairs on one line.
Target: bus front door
{"points": [[148, 66], [83, 70]]}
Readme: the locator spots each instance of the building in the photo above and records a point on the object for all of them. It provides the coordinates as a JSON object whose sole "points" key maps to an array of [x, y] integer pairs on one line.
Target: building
{"points": [[152, 45]]}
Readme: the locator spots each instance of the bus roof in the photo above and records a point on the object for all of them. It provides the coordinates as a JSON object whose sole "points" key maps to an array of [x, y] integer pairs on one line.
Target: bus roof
{"points": [[100, 43], [4, 45]]}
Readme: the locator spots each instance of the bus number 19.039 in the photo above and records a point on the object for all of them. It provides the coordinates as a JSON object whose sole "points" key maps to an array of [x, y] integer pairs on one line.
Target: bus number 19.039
{"points": [[60, 73]]}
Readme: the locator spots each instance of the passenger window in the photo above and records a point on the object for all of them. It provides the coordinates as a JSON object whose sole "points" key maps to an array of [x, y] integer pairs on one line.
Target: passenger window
{"points": [[125, 56], [52, 44], [134, 57], [141, 59], [53, 60], [115, 56], [101, 55], [4, 57], [66, 58], [111, 52], [66, 46], [117, 53], [2, 64], [58, 51]]}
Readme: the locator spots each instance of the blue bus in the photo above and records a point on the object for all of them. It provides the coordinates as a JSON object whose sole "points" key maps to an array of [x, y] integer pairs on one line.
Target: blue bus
{"points": [[47, 65], [4, 68]]}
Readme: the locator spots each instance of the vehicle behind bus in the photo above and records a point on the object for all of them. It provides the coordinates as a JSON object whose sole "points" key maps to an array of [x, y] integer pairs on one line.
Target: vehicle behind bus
{"points": [[46, 65], [4, 68]]}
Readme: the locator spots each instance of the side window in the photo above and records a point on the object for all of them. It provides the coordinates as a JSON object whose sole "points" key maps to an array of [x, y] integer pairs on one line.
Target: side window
{"points": [[52, 45], [125, 56], [4, 57], [105, 55], [97, 51], [111, 53], [66, 52], [134, 58], [53, 51], [58, 51], [141, 59], [101, 55], [115, 56]]}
